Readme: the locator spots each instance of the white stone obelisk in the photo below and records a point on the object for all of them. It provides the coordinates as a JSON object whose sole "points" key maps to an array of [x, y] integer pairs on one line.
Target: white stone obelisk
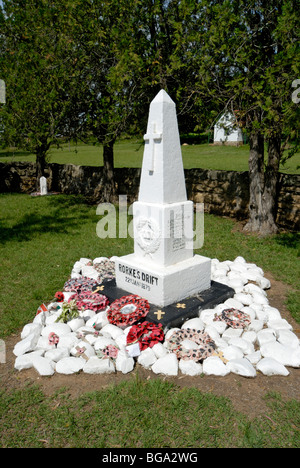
{"points": [[163, 268]]}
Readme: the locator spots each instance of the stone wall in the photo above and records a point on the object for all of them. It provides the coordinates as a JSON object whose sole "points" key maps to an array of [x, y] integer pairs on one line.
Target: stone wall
{"points": [[224, 193]]}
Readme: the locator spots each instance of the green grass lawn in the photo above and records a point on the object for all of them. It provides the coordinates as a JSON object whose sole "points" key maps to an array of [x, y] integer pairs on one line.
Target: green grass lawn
{"points": [[40, 240], [129, 153]]}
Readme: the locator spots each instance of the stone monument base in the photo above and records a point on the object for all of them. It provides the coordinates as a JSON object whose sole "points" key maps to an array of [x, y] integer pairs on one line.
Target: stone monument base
{"points": [[174, 315], [160, 285]]}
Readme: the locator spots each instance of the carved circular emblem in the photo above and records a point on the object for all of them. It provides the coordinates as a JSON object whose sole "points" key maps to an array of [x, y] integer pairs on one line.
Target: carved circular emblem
{"points": [[148, 235]]}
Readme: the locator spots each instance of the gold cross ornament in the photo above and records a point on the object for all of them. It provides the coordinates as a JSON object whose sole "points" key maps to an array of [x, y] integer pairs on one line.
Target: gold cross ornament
{"points": [[180, 306], [159, 314]]}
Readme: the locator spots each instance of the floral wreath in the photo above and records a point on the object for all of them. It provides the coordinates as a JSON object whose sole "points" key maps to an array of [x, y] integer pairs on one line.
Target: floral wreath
{"points": [[234, 318], [205, 345], [127, 310], [147, 334], [80, 284], [91, 301]]}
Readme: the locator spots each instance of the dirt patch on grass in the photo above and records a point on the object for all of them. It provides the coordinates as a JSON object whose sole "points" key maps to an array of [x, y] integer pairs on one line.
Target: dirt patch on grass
{"points": [[246, 395]]}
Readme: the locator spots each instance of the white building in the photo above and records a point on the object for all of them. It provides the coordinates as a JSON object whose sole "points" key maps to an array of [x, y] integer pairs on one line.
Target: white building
{"points": [[226, 131]]}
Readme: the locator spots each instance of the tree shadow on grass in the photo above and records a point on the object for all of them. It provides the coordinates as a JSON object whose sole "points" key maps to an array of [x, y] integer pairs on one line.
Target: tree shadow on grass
{"points": [[60, 221], [290, 240]]}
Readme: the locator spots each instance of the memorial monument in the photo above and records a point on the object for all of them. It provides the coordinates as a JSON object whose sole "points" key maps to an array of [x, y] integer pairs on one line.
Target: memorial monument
{"points": [[163, 268]]}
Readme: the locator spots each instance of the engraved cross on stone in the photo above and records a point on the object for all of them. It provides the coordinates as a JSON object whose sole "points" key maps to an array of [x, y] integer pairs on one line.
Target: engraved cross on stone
{"points": [[152, 138]]}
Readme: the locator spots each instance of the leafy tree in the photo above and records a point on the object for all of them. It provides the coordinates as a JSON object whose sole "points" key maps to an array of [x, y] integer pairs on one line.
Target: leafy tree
{"points": [[244, 55], [39, 72]]}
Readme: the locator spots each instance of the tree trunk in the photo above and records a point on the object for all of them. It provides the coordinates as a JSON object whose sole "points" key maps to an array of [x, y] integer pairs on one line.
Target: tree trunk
{"points": [[263, 185], [40, 166], [271, 183], [109, 187], [256, 176]]}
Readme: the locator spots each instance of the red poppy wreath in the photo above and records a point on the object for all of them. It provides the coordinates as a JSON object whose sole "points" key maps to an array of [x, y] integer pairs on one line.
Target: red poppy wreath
{"points": [[91, 301], [147, 334], [127, 310]]}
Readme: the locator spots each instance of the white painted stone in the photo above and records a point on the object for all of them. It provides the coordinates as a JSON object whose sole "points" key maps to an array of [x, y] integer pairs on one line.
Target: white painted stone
{"points": [[244, 345], [254, 358], [58, 328], [77, 267], [121, 341], [98, 321], [31, 328], [147, 358], [232, 352], [219, 326], [99, 366], [43, 186], [167, 365], [213, 365], [89, 272], [87, 314], [195, 323], [56, 354], [250, 336], [219, 308], [190, 367], [88, 350], [70, 365], [212, 332], [124, 363], [102, 341], [270, 366], [219, 272], [159, 350], [287, 338], [236, 283], [76, 323], [239, 259], [272, 312], [245, 299], [28, 344], [280, 324], [43, 365], [25, 361], [238, 267], [264, 283], [286, 355], [51, 318], [295, 357], [261, 314], [68, 340], [259, 298], [233, 303], [230, 333], [265, 336], [242, 367], [251, 287], [220, 343], [207, 315], [256, 325], [251, 312], [112, 330], [43, 344]]}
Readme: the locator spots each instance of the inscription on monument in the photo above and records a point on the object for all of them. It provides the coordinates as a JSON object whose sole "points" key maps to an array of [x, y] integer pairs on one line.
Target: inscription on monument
{"points": [[138, 277], [177, 230]]}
